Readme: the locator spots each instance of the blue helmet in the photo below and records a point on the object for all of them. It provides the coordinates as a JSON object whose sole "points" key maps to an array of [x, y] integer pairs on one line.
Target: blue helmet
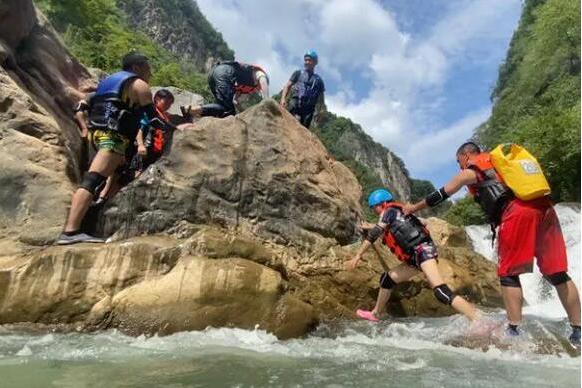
{"points": [[379, 196], [311, 54]]}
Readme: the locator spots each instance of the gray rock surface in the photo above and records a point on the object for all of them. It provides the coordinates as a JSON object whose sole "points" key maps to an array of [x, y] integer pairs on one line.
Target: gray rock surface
{"points": [[39, 145], [260, 170]]}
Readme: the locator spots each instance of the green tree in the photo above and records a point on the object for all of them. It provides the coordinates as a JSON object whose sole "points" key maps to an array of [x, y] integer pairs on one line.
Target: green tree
{"points": [[537, 95], [465, 212], [97, 33]]}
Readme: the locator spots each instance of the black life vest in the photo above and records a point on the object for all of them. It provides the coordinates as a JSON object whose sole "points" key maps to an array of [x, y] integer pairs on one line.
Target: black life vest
{"points": [[109, 112], [404, 234], [307, 89], [489, 192]]}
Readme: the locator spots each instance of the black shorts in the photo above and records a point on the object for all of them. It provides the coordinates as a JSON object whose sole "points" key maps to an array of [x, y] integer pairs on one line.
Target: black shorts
{"points": [[303, 114], [423, 252]]}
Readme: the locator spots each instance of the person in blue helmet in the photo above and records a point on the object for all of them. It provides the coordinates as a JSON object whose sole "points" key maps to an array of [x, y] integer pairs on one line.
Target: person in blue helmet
{"points": [[307, 90], [409, 240]]}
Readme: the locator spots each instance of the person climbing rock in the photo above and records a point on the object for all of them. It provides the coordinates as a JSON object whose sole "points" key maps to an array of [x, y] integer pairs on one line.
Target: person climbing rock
{"points": [[151, 139], [412, 244], [307, 90], [227, 81], [526, 228], [119, 103]]}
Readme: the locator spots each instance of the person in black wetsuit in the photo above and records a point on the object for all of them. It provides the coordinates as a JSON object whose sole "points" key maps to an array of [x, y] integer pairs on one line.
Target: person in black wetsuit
{"points": [[227, 81]]}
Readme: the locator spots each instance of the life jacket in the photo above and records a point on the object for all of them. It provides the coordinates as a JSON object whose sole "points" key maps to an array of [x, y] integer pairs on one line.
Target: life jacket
{"points": [[490, 192], [307, 89], [245, 77], [404, 234], [156, 136], [110, 109]]}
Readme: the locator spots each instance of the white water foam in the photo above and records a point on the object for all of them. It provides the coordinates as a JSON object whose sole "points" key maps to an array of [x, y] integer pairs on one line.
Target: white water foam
{"points": [[541, 298]]}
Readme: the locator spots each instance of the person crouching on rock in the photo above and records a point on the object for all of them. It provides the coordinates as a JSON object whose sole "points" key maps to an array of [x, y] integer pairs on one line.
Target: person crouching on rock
{"points": [[120, 102], [410, 241], [526, 229], [227, 81], [151, 138]]}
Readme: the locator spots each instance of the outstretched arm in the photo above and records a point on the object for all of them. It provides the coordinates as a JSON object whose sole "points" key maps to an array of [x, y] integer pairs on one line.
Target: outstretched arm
{"points": [[465, 177], [370, 237], [80, 119], [264, 82], [141, 148], [80, 116], [284, 94]]}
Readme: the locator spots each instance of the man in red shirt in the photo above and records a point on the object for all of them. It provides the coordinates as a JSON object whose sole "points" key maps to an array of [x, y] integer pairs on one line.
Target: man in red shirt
{"points": [[526, 229]]}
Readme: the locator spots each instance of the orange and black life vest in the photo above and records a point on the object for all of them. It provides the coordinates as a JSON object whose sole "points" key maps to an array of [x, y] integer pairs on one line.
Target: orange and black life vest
{"points": [[158, 136], [246, 82], [404, 234], [490, 192]]}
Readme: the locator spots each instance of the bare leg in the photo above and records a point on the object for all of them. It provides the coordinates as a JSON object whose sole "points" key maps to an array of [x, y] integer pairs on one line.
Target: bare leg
{"points": [[383, 296], [104, 163], [513, 300], [399, 274], [434, 278], [570, 299]]}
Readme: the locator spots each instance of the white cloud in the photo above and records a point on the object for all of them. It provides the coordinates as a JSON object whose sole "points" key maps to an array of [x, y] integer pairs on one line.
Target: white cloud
{"points": [[435, 149], [356, 30], [407, 72]]}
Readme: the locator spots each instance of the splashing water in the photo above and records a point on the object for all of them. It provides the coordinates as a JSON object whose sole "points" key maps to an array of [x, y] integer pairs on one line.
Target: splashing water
{"points": [[345, 353], [434, 352]]}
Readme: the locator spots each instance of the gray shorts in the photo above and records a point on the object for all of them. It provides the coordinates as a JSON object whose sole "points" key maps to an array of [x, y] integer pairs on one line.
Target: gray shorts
{"points": [[423, 252]]}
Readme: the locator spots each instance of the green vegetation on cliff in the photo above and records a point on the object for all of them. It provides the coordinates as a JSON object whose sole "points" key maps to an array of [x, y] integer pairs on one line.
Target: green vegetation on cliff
{"points": [[330, 129], [97, 33], [192, 35], [537, 96]]}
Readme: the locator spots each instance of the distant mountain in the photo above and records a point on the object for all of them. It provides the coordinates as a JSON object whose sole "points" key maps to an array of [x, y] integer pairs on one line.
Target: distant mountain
{"points": [[180, 27]]}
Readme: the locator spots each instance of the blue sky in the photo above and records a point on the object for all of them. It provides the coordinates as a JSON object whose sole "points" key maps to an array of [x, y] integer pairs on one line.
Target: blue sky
{"points": [[416, 74]]}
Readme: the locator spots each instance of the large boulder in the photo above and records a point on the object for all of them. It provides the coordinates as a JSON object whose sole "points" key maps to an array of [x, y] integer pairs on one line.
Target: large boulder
{"points": [[199, 293], [39, 144], [204, 276], [61, 284], [259, 171]]}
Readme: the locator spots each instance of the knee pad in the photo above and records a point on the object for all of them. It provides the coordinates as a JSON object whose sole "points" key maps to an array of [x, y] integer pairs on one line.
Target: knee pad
{"points": [[93, 182], [444, 294], [510, 281], [386, 281], [557, 278]]}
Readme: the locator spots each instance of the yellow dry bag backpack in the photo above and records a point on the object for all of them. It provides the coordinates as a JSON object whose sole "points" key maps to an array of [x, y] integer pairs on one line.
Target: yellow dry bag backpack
{"points": [[520, 171]]}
